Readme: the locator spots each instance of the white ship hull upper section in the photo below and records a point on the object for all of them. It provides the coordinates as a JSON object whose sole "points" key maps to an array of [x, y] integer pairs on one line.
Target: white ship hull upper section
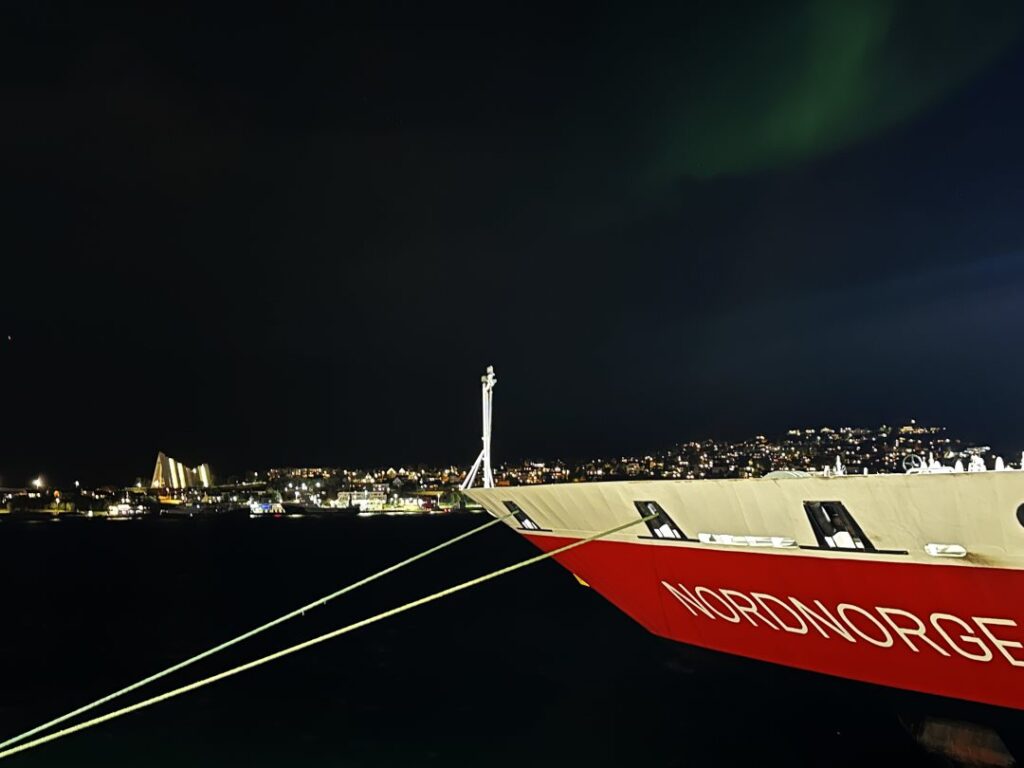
{"points": [[906, 513]]}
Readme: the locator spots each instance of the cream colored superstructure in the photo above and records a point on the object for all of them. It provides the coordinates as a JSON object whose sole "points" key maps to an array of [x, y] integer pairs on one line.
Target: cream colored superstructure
{"points": [[977, 511]]}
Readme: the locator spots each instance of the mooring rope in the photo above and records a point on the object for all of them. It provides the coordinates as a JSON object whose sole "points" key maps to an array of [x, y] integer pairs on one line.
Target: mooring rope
{"points": [[252, 632], [314, 641]]}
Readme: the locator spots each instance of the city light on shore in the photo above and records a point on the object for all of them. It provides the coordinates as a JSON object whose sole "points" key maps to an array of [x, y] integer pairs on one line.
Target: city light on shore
{"points": [[176, 490]]}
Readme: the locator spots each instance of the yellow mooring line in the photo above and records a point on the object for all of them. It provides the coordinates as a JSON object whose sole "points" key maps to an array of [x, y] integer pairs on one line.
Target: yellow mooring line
{"points": [[251, 633], [310, 643]]}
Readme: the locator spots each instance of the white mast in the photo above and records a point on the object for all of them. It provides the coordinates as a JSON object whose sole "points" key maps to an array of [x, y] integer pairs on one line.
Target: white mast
{"points": [[487, 382]]}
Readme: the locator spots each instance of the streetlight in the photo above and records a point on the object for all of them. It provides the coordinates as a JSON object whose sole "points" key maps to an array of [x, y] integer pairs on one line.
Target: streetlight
{"points": [[37, 482]]}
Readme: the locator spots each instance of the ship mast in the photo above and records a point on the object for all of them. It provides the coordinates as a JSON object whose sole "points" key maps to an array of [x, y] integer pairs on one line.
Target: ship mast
{"points": [[487, 382]]}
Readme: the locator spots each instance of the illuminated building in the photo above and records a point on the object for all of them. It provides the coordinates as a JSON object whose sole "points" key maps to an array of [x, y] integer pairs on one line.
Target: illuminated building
{"points": [[169, 473]]}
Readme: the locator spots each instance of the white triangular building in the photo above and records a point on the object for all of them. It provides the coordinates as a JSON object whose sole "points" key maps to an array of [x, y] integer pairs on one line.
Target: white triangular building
{"points": [[172, 474]]}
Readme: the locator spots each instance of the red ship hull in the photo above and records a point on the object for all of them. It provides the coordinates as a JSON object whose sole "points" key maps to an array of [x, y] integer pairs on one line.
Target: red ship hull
{"points": [[948, 630]]}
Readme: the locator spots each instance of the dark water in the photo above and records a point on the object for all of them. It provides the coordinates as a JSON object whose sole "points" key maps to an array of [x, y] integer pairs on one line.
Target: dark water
{"points": [[528, 670]]}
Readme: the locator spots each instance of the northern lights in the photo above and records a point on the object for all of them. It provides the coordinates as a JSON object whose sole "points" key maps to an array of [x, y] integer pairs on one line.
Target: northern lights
{"points": [[765, 86]]}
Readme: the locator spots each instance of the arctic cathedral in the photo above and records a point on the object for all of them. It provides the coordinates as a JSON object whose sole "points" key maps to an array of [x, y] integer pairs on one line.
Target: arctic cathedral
{"points": [[169, 473]]}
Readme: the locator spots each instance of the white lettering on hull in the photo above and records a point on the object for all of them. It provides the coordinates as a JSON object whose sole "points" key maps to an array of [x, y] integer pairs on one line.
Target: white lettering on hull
{"points": [[881, 626]]}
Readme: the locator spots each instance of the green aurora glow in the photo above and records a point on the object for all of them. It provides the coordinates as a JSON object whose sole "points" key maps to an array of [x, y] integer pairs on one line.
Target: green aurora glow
{"points": [[765, 87]]}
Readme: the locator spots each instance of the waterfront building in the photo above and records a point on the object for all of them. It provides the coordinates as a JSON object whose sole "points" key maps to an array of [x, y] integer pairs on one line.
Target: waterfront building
{"points": [[169, 473], [368, 501]]}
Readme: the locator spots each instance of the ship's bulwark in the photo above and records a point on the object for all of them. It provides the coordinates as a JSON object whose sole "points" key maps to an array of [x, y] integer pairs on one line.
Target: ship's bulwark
{"points": [[942, 630]]}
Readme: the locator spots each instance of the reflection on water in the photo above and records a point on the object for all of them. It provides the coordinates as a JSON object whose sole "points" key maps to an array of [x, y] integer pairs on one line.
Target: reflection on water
{"points": [[529, 670]]}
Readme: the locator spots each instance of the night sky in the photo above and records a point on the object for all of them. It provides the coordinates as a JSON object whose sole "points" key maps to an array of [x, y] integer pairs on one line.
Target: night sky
{"points": [[296, 234]]}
